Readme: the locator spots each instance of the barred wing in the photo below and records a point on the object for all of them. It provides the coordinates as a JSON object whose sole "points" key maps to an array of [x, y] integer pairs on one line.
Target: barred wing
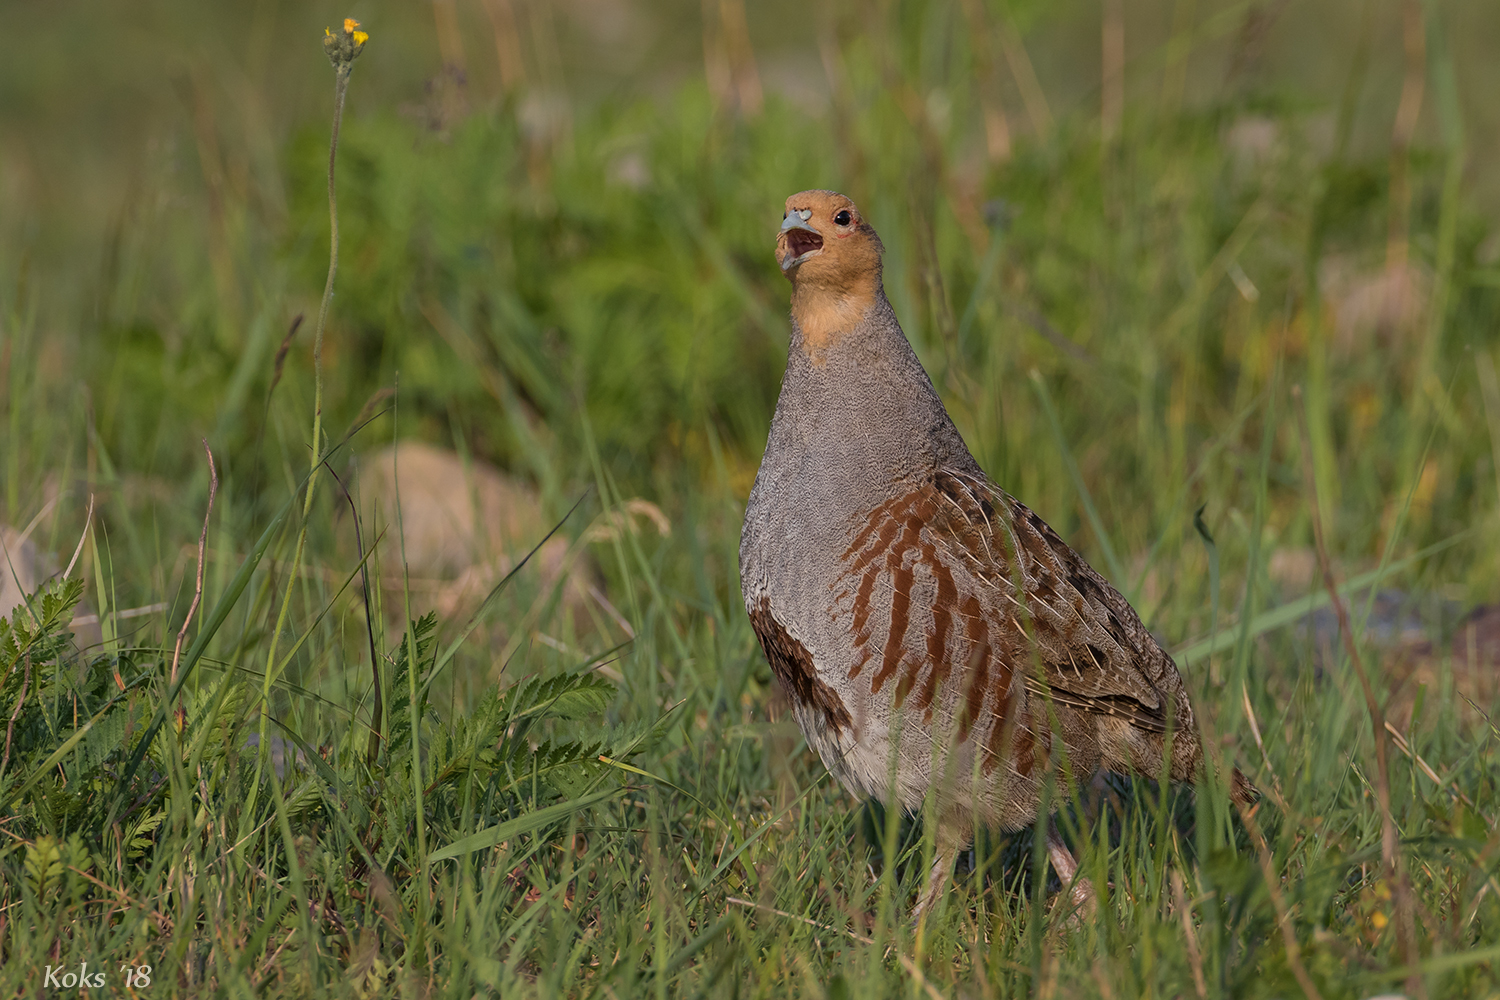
{"points": [[955, 574]]}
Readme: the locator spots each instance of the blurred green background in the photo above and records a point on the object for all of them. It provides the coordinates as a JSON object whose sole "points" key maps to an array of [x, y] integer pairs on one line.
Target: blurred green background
{"points": [[1119, 234], [562, 210]]}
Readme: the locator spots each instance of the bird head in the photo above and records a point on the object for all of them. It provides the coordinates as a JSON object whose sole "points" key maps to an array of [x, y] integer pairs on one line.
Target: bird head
{"points": [[825, 243]]}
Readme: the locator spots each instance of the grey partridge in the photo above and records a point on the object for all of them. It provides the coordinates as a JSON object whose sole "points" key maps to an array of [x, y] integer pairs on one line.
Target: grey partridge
{"points": [[931, 632]]}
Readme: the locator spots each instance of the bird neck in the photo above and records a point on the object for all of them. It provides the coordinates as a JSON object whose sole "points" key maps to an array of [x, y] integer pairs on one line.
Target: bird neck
{"points": [[860, 397], [823, 314]]}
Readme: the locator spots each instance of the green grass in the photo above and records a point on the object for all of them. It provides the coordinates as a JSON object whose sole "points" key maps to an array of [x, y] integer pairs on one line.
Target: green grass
{"points": [[1118, 330]]}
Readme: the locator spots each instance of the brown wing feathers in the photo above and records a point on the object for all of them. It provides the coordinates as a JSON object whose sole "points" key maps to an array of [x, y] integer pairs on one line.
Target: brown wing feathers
{"points": [[793, 666], [953, 540]]}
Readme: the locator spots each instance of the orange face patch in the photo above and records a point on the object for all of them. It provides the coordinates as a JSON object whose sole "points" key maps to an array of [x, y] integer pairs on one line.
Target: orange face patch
{"points": [[832, 258]]}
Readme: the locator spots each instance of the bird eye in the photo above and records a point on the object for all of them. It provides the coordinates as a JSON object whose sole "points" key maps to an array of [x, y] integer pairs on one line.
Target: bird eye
{"points": [[843, 218]]}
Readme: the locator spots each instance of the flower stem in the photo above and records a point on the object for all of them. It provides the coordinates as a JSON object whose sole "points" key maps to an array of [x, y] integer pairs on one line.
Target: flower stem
{"points": [[341, 86]]}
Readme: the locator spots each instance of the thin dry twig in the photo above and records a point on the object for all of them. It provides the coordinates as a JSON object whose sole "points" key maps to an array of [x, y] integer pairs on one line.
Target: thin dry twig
{"points": [[1389, 836], [1275, 787], [751, 904], [377, 714], [1405, 747], [281, 352], [270, 961], [611, 610], [47, 508], [213, 489], [80, 621], [88, 520]]}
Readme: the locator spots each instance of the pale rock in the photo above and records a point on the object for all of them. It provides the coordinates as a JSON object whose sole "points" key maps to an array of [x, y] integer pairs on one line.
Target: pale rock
{"points": [[464, 525], [1383, 303]]}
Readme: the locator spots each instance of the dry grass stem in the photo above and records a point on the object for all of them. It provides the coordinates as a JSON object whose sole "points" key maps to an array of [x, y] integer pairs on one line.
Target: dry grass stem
{"points": [[88, 521], [213, 491], [1275, 787]]}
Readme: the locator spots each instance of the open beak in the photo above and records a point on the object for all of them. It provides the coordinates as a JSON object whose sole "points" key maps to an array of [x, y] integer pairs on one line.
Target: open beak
{"points": [[797, 240]]}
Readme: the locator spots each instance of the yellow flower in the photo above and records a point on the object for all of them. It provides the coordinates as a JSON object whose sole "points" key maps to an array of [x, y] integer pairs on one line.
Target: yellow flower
{"points": [[344, 47]]}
